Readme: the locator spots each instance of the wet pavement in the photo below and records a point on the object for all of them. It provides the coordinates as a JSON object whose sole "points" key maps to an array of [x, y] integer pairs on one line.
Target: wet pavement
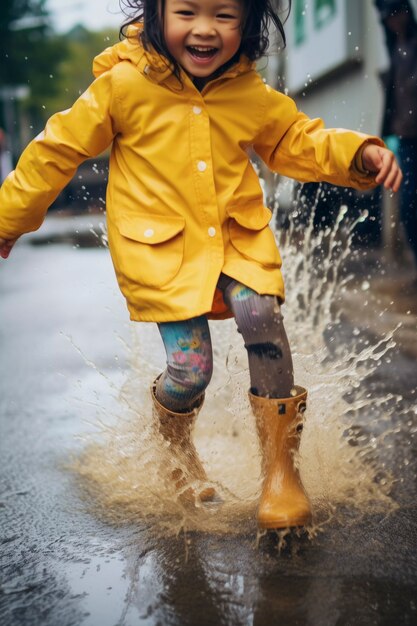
{"points": [[65, 337]]}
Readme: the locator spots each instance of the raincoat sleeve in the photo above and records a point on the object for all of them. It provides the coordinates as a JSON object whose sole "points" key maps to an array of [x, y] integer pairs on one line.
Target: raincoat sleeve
{"points": [[51, 159], [296, 146]]}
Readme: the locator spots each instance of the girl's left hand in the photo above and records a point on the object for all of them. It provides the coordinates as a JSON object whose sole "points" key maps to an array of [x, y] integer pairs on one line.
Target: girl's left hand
{"points": [[382, 162]]}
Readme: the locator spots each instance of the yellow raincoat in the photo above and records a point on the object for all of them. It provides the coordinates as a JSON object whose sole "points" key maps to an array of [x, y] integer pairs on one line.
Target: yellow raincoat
{"points": [[183, 200]]}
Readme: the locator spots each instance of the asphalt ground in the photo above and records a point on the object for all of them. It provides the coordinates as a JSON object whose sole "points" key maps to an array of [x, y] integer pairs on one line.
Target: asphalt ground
{"points": [[63, 336]]}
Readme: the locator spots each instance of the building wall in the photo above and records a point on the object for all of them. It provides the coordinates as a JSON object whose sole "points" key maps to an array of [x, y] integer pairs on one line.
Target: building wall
{"points": [[352, 96]]}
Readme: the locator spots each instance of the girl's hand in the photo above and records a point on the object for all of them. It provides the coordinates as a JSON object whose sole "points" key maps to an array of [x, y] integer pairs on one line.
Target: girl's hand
{"points": [[382, 161], [5, 247]]}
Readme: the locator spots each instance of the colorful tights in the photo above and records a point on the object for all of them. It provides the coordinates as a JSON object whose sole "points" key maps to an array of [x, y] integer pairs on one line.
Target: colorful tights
{"points": [[189, 350]]}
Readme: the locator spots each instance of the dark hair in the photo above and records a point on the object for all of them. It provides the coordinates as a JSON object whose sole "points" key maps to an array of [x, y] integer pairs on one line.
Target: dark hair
{"points": [[258, 14]]}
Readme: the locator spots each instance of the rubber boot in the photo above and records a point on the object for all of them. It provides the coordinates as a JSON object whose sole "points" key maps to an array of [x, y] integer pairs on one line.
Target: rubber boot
{"points": [[176, 428], [283, 501]]}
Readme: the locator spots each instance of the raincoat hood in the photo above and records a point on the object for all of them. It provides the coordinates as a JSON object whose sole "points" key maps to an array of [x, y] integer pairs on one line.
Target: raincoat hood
{"points": [[131, 49]]}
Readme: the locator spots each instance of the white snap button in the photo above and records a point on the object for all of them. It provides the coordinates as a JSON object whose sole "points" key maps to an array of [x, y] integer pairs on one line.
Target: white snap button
{"points": [[212, 231], [202, 166], [197, 110], [149, 232]]}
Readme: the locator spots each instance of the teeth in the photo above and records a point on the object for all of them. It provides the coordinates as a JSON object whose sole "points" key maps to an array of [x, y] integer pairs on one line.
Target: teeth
{"points": [[202, 48]]}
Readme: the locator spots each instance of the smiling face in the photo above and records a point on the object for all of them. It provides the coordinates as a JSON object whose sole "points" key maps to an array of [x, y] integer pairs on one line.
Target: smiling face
{"points": [[202, 35]]}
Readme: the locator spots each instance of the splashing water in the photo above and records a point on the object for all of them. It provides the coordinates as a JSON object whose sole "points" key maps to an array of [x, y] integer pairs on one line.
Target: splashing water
{"points": [[125, 470]]}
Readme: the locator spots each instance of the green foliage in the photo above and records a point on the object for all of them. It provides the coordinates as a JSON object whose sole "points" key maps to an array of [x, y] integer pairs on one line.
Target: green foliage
{"points": [[29, 52], [75, 70], [54, 68]]}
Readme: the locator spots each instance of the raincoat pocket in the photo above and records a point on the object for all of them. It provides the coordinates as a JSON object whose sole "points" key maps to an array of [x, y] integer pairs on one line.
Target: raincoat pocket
{"points": [[151, 248], [251, 235]]}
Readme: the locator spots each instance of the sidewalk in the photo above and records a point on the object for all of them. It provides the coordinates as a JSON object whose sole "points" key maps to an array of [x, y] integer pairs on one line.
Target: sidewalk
{"points": [[385, 301]]}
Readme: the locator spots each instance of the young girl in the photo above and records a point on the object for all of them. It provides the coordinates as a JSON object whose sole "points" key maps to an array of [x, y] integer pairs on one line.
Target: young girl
{"points": [[182, 104]]}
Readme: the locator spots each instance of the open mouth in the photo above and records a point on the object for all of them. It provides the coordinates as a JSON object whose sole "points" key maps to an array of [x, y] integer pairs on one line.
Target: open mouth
{"points": [[202, 52]]}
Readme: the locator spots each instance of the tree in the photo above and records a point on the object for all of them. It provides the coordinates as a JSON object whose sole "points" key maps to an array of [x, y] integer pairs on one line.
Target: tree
{"points": [[30, 55], [75, 71]]}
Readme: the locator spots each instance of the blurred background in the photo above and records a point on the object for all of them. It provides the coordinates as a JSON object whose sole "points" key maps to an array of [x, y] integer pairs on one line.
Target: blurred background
{"points": [[47, 47]]}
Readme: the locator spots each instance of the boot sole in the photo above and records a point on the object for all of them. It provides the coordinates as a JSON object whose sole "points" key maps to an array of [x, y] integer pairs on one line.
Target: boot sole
{"points": [[190, 495], [207, 494], [288, 523]]}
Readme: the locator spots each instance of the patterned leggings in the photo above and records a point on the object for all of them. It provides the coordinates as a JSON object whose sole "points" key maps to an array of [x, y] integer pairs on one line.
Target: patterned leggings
{"points": [[190, 358]]}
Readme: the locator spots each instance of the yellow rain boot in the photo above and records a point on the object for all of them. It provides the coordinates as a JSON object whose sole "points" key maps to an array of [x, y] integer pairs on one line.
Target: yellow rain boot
{"points": [[176, 428], [283, 501]]}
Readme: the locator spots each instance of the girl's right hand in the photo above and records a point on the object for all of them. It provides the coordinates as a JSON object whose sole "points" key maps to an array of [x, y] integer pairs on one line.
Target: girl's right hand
{"points": [[382, 162], [5, 247]]}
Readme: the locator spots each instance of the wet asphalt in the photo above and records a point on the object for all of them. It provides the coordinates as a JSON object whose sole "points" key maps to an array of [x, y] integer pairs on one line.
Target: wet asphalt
{"points": [[62, 565]]}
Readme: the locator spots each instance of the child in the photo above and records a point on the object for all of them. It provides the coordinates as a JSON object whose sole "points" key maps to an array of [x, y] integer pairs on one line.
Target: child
{"points": [[182, 104]]}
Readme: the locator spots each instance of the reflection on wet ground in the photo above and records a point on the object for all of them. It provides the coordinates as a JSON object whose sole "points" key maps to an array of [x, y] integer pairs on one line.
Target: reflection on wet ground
{"points": [[108, 543]]}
